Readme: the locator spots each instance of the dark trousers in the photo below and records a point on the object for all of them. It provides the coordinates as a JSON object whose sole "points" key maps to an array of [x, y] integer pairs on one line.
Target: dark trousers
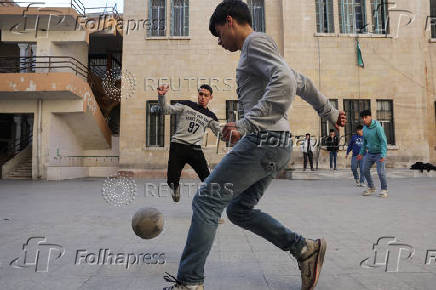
{"points": [[310, 156], [181, 154], [333, 156]]}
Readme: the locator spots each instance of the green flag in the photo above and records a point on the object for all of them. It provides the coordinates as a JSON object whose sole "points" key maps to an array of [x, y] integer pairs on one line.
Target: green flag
{"points": [[359, 55]]}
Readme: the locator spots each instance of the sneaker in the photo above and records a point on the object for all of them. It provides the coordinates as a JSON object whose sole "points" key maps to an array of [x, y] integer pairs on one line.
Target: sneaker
{"points": [[383, 193], [368, 192], [361, 184], [175, 194], [357, 182], [178, 285], [310, 263]]}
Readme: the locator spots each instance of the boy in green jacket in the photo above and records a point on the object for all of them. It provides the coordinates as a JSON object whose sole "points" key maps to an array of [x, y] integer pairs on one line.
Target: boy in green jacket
{"points": [[374, 140]]}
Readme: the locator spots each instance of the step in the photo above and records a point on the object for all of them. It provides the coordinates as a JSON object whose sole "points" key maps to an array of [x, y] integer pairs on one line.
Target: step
{"points": [[19, 177]]}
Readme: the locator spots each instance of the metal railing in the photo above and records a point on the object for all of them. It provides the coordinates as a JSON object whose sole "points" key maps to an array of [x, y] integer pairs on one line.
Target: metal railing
{"points": [[43, 64], [15, 148], [78, 6]]}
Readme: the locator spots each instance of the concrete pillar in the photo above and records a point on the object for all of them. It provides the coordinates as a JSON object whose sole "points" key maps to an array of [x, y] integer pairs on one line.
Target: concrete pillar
{"points": [[23, 54], [33, 51], [17, 120]]}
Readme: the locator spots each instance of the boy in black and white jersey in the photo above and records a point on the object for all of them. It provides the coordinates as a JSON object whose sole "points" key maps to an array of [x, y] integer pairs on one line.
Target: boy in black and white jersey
{"points": [[192, 120]]}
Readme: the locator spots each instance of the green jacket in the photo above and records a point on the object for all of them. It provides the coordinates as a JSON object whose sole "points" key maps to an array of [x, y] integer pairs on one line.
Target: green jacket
{"points": [[374, 139]]}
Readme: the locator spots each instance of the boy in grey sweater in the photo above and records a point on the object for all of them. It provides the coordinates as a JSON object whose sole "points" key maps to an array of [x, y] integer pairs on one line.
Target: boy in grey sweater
{"points": [[266, 89]]}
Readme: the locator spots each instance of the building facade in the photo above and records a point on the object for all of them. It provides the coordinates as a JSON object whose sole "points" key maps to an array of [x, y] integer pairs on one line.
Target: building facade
{"points": [[394, 77]]}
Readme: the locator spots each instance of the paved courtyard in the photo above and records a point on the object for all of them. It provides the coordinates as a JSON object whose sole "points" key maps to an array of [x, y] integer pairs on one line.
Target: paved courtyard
{"points": [[72, 218]]}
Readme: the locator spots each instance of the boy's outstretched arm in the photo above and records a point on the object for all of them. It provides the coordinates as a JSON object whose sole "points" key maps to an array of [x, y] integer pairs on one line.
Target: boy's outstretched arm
{"points": [[165, 108]]}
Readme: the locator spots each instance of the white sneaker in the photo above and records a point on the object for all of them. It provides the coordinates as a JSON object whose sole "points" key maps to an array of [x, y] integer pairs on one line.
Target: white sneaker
{"points": [[361, 185], [357, 182], [368, 192], [383, 193]]}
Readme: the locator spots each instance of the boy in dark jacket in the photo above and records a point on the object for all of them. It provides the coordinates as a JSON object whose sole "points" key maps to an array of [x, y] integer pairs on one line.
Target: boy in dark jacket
{"points": [[355, 144], [333, 147]]}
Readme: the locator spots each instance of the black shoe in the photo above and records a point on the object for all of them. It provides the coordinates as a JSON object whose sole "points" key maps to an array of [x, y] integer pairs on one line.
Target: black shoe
{"points": [[175, 194]]}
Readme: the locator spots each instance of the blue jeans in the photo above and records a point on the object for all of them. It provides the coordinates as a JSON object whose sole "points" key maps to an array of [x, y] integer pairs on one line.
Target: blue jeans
{"points": [[333, 156], [238, 182], [370, 159], [358, 163]]}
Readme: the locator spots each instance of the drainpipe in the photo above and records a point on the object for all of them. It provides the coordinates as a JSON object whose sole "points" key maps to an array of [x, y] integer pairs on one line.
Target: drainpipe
{"points": [[38, 139]]}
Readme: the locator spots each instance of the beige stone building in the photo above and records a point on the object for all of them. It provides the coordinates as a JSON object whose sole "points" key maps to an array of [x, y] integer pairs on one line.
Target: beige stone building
{"points": [[167, 41], [54, 108], [318, 38]]}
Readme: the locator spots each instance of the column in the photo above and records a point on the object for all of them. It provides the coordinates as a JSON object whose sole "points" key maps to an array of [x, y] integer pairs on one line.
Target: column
{"points": [[17, 145], [368, 12], [23, 54], [33, 51]]}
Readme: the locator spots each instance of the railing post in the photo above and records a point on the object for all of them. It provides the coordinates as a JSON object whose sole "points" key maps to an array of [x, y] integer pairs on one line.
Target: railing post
{"points": [[49, 63]]}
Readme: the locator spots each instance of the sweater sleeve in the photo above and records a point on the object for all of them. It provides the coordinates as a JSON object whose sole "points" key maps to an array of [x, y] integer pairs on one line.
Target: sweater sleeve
{"points": [[383, 141], [350, 145]]}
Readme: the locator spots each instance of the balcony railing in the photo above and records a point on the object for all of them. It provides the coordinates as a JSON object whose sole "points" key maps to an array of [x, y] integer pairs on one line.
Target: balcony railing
{"points": [[43, 64], [75, 4]]}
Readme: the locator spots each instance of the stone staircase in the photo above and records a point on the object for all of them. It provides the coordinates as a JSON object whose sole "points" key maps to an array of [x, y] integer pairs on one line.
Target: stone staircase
{"points": [[23, 170]]}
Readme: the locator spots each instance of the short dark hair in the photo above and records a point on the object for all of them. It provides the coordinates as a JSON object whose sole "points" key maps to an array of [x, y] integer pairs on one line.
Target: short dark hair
{"points": [[207, 87], [307, 134], [365, 113], [332, 130], [359, 127], [237, 9]]}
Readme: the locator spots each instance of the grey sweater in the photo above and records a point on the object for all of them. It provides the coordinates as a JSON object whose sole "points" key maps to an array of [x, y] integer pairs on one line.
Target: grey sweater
{"points": [[192, 121], [267, 86]]}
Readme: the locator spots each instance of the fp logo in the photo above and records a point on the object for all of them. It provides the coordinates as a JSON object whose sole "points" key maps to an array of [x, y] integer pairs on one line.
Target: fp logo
{"points": [[38, 254], [387, 253]]}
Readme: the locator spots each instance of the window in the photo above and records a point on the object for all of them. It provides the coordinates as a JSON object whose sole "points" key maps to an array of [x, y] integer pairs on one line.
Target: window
{"points": [[155, 127], [352, 109], [433, 18], [385, 115], [173, 119], [324, 16], [232, 111], [257, 9], [352, 16], [380, 18], [180, 18], [325, 125], [157, 15]]}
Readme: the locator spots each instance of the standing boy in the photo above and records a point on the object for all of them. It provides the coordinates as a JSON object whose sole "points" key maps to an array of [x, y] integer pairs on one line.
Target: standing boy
{"points": [[355, 144], [307, 148], [374, 140], [333, 147]]}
